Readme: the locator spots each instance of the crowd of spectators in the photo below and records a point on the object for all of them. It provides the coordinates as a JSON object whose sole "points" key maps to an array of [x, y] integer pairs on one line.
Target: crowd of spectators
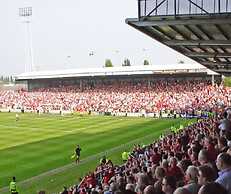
{"points": [[129, 97], [195, 160]]}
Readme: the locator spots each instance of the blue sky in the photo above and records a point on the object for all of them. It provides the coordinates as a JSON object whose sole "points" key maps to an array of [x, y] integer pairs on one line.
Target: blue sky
{"points": [[64, 32]]}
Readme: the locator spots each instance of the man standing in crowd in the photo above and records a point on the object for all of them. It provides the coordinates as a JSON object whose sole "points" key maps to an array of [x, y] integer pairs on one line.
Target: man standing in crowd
{"points": [[77, 152], [13, 187], [224, 165]]}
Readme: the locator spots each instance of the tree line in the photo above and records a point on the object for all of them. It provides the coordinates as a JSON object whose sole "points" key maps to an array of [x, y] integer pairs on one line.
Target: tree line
{"points": [[6, 79], [126, 62]]}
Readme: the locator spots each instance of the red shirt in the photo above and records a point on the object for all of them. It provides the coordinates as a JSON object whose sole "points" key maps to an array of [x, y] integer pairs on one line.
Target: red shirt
{"points": [[212, 153], [175, 171], [155, 158]]}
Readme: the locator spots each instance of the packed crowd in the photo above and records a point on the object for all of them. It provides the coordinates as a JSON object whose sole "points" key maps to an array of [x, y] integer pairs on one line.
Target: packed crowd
{"points": [[195, 160], [122, 97]]}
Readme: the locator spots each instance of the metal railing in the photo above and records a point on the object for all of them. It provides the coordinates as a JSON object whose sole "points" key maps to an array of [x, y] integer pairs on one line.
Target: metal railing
{"points": [[182, 7]]}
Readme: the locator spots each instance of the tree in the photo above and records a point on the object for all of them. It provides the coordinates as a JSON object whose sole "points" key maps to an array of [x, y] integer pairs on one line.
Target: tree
{"points": [[126, 62], [146, 62], [227, 81], [6, 79], [11, 79], [108, 63]]}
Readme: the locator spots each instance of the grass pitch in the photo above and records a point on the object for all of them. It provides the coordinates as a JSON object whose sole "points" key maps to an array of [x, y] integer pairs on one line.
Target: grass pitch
{"points": [[37, 148]]}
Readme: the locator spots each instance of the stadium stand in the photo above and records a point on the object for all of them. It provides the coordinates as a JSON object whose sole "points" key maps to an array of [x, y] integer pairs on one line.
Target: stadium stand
{"points": [[126, 97]]}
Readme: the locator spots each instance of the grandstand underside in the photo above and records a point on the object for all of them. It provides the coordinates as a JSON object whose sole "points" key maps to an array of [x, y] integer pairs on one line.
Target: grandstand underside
{"points": [[97, 80], [200, 30]]}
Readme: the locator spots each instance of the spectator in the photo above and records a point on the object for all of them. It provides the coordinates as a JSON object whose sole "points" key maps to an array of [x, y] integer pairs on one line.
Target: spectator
{"points": [[205, 174], [228, 137], [229, 151], [174, 170], [181, 190], [212, 188], [130, 187], [225, 124], [191, 178], [222, 144], [168, 184], [155, 158], [224, 165], [211, 151], [184, 164], [142, 182], [203, 158], [149, 190], [159, 175]]}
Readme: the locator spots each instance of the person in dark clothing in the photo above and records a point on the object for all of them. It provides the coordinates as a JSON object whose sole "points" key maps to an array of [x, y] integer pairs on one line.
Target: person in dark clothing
{"points": [[77, 152]]}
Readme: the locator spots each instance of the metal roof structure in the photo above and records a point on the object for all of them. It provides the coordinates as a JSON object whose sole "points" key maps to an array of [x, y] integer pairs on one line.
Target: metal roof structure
{"points": [[198, 29], [106, 71]]}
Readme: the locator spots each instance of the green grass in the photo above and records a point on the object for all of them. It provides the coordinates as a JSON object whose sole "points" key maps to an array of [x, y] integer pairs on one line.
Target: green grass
{"points": [[40, 143], [227, 81]]}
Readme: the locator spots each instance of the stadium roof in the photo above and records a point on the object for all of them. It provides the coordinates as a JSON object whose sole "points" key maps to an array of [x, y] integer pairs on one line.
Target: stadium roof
{"points": [[105, 71], [201, 30]]}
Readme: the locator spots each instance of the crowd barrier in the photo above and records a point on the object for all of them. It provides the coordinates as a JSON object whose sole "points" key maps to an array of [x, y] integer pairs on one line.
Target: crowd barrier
{"points": [[117, 114]]}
